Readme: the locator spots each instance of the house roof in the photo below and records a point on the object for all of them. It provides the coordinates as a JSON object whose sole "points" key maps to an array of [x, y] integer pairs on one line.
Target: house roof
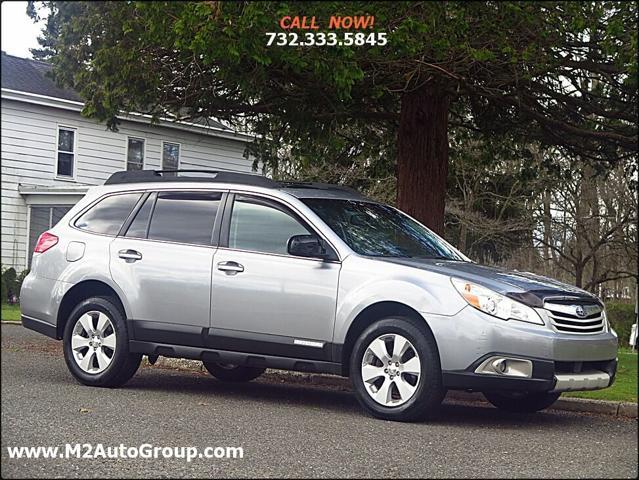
{"points": [[32, 76], [25, 75]]}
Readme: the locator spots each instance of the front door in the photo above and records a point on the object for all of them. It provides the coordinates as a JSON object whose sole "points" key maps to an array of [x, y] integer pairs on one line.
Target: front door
{"points": [[163, 262], [265, 300]]}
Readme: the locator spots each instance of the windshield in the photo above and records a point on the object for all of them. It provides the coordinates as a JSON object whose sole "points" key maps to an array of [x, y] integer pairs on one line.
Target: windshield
{"points": [[379, 230]]}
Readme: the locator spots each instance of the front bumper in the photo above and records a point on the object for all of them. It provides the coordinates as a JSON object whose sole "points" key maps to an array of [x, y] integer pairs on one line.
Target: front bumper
{"points": [[560, 361], [547, 375]]}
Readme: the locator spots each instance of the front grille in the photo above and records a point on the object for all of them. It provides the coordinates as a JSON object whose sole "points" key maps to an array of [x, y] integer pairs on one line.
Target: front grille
{"points": [[565, 318], [607, 366]]}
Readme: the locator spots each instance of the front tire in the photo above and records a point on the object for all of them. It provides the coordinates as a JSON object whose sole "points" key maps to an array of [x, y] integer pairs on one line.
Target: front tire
{"points": [[395, 370], [522, 402], [96, 344], [227, 372]]}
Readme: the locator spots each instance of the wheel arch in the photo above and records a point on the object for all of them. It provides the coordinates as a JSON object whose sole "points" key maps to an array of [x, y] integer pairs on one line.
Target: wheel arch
{"points": [[79, 292], [370, 314]]}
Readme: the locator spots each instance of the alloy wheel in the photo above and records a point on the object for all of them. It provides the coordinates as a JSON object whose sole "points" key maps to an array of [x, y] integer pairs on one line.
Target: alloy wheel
{"points": [[391, 369], [93, 342]]}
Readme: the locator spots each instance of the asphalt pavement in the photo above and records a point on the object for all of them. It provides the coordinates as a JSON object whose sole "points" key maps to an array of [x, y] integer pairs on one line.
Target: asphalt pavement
{"points": [[285, 429]]}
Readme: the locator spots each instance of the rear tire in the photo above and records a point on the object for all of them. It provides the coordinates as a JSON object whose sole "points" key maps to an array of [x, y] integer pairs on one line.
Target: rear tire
{"points": [[227, 372], [96, 344], [521, 402], [395, 370]]}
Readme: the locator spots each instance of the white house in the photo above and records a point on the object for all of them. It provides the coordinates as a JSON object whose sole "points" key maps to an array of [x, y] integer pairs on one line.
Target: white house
{"points": [[51, 154]]}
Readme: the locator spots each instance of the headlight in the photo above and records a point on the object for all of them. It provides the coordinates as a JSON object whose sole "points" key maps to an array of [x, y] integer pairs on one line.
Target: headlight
{"points": [[495, 304]]}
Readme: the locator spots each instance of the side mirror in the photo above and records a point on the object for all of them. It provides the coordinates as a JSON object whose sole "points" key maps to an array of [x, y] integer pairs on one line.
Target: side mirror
{"points": [[306, 246]]}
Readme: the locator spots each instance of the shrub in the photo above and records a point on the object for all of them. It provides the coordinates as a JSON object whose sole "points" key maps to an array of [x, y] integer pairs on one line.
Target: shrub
{"points": [[11, 283], [20, 279], [621, 317], [9, 276], [4, 289]]}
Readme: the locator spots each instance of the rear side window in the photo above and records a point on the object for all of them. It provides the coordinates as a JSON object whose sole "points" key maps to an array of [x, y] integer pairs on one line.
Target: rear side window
{"points": [[108, 215], [184, 217]]}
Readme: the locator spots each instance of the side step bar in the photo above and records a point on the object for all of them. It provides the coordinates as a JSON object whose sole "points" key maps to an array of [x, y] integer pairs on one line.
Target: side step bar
{"points": [[236, 358]]}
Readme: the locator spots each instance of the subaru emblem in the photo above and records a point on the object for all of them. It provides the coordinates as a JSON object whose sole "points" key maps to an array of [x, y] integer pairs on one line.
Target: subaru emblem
{"points": [[579, 310]]}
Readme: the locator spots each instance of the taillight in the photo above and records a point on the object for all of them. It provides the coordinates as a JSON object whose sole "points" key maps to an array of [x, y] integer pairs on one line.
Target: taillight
{"points": [[45, 242]]}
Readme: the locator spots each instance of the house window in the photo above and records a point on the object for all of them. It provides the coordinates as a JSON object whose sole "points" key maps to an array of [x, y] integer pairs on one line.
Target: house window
{"points": [[170, 156], [135, 154], [66, 152]]}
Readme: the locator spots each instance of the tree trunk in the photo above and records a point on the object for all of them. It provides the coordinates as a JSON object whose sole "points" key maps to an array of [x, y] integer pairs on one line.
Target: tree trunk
{"points": [[547, 231], [463, 233], [591, 230], [579, 274], [422, 164]]}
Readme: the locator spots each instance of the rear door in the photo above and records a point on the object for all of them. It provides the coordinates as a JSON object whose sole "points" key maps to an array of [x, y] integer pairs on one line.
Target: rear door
{"points": [[162, 260]]}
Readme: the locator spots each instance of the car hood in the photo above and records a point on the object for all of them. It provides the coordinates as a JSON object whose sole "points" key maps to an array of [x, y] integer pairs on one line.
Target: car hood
{"points": [[525, 287]]}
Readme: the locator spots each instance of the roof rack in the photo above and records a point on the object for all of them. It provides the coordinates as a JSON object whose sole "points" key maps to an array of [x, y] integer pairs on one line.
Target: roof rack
{"points": [[221, 176], [319, 186], [143, 176]]}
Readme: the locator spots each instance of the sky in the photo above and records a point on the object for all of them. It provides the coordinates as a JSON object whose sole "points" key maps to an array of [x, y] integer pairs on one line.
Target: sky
{"points": [[19, 33]]}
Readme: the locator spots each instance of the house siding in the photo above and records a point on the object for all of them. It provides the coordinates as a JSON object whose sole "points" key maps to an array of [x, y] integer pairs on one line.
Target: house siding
{"points": [[29, 135]]}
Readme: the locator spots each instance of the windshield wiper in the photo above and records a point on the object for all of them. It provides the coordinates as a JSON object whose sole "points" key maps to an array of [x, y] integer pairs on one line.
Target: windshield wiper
{"points": [[436, 257]]}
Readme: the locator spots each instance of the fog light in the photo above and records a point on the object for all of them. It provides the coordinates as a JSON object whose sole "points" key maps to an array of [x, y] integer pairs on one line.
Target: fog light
{"points": [[500, 365], [507, 366]]}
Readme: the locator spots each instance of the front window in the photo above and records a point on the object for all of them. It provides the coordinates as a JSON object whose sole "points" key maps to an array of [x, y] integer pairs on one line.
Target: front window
{"points": [[259, 226], [378, 230]]}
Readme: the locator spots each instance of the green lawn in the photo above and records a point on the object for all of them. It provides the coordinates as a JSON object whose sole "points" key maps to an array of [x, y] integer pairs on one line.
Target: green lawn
{"points": [[10, 312], [625, 387]]}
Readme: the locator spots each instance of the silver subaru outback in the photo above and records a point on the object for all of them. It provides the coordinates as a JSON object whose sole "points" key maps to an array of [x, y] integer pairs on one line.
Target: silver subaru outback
{"points": [[245, 273]]}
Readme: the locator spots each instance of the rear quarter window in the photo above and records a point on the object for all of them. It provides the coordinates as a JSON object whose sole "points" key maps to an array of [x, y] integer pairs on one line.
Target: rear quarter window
{"points": [[109, 214]]}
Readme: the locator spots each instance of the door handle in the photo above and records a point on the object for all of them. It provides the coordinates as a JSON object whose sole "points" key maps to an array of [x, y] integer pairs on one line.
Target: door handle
{"points": [[230, 268], [130, 255]]}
